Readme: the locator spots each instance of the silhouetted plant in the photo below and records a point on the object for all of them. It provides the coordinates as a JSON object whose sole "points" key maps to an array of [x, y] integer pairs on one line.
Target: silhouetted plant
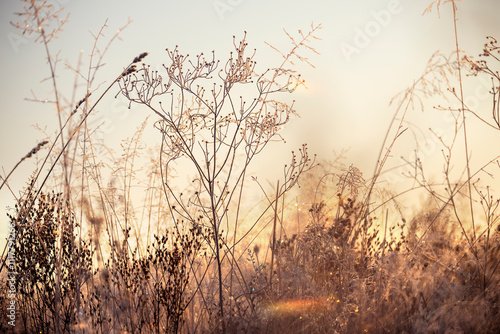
{"points": [[45, 240], [211, 127], [148, 292], [197, 267]]}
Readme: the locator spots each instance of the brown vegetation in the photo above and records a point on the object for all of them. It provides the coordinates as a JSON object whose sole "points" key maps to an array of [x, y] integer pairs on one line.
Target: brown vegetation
{"points": [[89, 259]]}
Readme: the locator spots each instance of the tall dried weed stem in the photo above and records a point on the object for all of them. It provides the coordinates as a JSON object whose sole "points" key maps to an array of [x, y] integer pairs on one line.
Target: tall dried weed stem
{"points": [[342, 255]]}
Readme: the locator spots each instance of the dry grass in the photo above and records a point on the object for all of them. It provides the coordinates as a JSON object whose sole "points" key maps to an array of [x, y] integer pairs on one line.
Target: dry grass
{"points": [[93, 257]]}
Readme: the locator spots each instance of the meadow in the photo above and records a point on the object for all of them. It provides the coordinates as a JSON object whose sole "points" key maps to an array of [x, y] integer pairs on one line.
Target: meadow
{"points": [[170, 238]]}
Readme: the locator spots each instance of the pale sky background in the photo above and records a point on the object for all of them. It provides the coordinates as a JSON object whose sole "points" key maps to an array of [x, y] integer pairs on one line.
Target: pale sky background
{"points": [[345, 105]]}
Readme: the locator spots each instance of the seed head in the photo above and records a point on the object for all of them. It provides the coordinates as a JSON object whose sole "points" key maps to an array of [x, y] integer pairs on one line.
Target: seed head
{"points": [[81, 102], [139, 57], [129, 70], [35, 149]]}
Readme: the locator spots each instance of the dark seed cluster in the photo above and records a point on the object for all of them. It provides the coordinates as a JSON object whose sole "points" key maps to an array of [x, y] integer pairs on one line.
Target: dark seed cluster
{"points": [[140, 57]]}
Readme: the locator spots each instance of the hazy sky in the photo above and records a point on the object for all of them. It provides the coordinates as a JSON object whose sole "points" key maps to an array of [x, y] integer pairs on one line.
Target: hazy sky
{"points": [[369, 50]]}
